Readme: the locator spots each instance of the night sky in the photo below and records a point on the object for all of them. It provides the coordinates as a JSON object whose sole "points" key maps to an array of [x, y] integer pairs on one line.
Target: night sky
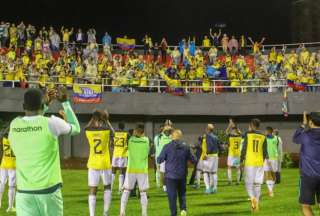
{"points": [[173, 19]]}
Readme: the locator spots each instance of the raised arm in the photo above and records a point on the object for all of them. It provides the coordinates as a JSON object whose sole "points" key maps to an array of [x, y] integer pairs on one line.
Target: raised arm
{"points": [[299, 134], [211, 35], [262, 40], [251, 41]]}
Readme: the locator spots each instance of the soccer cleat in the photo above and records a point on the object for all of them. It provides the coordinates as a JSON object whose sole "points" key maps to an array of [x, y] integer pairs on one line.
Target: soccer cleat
{"points": [[11, 210], [254, 205], [105, 214], [207, 191], [183, 213], [271, 194], [164, 189], [214, 190], [196, 186]]}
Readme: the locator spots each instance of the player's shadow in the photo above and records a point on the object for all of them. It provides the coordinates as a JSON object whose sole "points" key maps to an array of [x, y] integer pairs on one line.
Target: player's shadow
{"points": [[224, 213], [232, 202]]}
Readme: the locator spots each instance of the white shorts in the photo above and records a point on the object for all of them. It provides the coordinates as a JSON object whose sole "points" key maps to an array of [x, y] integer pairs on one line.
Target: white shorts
{"points": [[119, 162], [163, 167], [8, 175], [94, 177], [271, 165], [233, 161], [254, 175], [210, 165], [131, 179], [200, 165]]}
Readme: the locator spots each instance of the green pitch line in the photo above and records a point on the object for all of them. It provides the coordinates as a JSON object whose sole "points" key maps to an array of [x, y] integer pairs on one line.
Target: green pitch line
{"points": [[229, 201]]}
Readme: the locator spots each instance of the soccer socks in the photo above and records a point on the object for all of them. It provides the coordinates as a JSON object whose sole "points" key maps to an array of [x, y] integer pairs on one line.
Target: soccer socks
{"points": [[113, 176], [250, 190], [206, 180], [198, 177], [270, 185], [1, 192], [257, 191], [229, 172], [215, 181], [121, 180], [92, 204], [158, 178], [144, 203], [11, 193], [107, 200], [238, 174], [124, 201]]}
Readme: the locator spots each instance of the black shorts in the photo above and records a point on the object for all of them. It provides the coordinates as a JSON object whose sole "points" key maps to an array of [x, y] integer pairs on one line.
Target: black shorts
{"points": [[309, 190]]}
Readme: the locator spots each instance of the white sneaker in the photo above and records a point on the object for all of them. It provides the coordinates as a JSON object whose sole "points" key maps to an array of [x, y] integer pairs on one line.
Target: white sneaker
{"points": [[11, 210], [164, 188], [183, 213], [105, 214]]}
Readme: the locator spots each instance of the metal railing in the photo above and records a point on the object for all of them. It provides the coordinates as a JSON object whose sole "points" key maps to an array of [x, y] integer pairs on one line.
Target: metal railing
{"points": [[187, 86]]}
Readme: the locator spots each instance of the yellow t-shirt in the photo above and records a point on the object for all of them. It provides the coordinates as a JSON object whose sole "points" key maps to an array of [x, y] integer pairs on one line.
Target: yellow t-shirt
{"points": [[254, 153], [120, 142], [99, 142], [8, 159], [206, 43], [234, 146]]}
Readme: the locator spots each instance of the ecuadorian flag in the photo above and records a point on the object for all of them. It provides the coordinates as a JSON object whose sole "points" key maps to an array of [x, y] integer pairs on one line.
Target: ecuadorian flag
{"points": [[126, 43], [87, 93]]}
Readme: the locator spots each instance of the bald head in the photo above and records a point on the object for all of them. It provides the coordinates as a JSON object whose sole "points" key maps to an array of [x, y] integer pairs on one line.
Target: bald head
{"points": [[210, 128]]}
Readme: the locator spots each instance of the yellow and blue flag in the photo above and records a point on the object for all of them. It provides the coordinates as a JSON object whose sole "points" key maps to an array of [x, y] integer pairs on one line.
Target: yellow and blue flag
{"points": [[83, 93], [126, 43]]}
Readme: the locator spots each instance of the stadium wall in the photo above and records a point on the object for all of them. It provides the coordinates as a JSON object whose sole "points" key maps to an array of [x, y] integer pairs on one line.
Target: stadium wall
{"points": [[190, 113]]}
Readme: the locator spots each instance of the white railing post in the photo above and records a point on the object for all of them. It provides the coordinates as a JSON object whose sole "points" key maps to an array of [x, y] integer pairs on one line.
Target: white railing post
{"points": [[214, 86]]}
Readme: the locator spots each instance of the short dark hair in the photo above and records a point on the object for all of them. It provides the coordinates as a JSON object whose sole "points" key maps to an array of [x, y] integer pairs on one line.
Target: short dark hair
{"points": [[139, 130], [121, 126], [315, 118], [255, 123], [33, 100], [269, 129]]}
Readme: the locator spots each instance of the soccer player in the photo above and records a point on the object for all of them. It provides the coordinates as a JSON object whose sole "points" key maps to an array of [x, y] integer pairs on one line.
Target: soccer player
{"points": [[253, 154], [176, 154], [308, 136], [156, 146], [271, 164], [7, 171], [119, 159], [280, 153], [99, 132], [234, 145], [164, 139], [34, 141], [137, 169], [210, 146]]}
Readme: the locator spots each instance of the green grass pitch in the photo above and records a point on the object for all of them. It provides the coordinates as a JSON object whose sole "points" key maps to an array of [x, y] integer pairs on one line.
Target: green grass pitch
{"points": [[229, 201]]}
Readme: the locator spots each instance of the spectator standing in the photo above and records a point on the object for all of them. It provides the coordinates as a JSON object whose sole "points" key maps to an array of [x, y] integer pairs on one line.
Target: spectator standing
{"points": [[233, 45], [224, 43], [107, 40], [155, 52], [242, 45], [79, 38], [215, 37], [256, 45], [206, 43], [66, 35], [91, 34], [176, 156], [164, 48], [21, 34], [55, 41]]}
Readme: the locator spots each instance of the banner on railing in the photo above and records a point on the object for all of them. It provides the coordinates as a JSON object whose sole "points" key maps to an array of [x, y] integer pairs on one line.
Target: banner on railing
{"points": [[126, 43], [87, 93]]}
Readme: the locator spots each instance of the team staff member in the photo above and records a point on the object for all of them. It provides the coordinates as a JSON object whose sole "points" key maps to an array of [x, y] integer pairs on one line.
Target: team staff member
{"points": [[176, 155], [34, 141], [253, 154], [308, 136], [120, 154], [234, 146], [7, 171], [99, 134]]}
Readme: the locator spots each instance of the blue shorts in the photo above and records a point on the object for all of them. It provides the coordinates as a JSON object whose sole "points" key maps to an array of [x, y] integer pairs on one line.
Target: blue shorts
{"points": [[309, 190]]}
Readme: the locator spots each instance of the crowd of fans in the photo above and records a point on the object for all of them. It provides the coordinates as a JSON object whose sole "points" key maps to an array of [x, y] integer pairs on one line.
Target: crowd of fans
{"points": [[40, 57]]}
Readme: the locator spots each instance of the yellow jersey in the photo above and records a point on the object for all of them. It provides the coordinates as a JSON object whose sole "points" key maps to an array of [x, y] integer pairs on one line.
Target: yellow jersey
{"points": [[234, 146], [255, 147], [8, 158], [120, 143], [99, 143]]}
